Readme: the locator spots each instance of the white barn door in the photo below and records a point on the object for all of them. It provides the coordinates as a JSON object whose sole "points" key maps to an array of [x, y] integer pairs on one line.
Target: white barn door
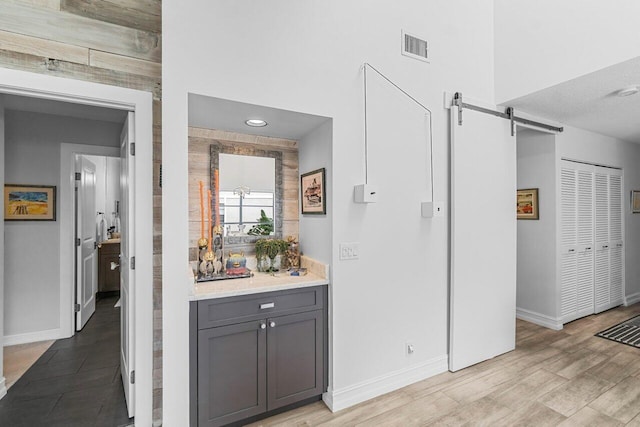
{"points": [[483, 239]]}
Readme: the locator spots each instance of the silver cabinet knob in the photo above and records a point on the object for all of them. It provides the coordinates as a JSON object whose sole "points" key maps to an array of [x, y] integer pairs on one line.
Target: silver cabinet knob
{"points": [[263, 326], [272, 324]]}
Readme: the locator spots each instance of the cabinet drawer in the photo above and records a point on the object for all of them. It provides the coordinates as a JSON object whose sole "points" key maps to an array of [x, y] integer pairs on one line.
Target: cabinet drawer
{"points": [[224, 311]]}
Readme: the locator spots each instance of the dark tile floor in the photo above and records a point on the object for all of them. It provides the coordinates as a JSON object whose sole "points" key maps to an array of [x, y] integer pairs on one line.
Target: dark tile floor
{"points": [[76, 382]]}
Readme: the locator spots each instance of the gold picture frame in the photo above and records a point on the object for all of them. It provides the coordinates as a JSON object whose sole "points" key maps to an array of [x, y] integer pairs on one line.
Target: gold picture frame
{"points": [[527, 204], [313, 193], [29, 202], [635, 201]]}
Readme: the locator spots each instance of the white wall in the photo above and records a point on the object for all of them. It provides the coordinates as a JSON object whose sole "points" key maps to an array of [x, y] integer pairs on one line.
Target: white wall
{"points": [[541, 43], [32, 153], [314, 152], [310, 59], [577, 144], [536, 282]]}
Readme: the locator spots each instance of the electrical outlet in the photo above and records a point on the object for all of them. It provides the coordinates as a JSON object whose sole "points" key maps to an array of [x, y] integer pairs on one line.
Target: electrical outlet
{"points": [[410, 348], [349, 250]]}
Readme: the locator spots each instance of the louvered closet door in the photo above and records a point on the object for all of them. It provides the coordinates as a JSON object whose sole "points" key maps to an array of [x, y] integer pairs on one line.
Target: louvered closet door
{"points": [[577, 237], [569, 240], [585, 248], [616, 244], [602, 279]]}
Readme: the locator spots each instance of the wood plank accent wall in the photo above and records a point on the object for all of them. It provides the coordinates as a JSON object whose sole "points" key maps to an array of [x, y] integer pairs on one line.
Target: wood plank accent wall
{"points": [[114, 42], [199, 142]]}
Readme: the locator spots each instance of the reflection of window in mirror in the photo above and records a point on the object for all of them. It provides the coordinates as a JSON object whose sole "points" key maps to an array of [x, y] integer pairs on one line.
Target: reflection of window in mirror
{"points": [[247, 187]]}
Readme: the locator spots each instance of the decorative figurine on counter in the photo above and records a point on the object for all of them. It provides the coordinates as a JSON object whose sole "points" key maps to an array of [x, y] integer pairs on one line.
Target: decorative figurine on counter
{"points": [[292, 254], [236, 264]]}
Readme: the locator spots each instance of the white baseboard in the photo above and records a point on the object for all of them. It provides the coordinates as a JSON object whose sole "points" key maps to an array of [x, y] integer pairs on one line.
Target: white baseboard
{"points": [[3, 387], [337, 400], [631, 299], [29, 337], [539, 319]]}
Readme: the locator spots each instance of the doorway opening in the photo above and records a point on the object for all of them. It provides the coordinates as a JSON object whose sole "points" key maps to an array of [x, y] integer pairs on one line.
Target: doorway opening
{"points": [[80, 101]]}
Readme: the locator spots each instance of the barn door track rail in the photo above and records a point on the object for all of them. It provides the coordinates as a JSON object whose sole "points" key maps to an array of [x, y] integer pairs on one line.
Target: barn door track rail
{"points": [[509, 114]]}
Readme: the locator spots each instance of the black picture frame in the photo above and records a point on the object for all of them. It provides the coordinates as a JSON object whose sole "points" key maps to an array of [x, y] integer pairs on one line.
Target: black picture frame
{"points": [[313, 200]]}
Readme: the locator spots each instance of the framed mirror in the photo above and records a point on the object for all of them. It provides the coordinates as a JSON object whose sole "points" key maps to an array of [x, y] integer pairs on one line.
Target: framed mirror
{"points": [[251, 193]]}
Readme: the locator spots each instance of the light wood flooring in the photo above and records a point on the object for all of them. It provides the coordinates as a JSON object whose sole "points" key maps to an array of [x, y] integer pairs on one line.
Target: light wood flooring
{"points": [[18, 358], [553, 378]]}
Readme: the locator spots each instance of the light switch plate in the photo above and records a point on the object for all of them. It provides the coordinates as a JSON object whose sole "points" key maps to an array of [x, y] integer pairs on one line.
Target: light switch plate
{"points": [[349, 250]]}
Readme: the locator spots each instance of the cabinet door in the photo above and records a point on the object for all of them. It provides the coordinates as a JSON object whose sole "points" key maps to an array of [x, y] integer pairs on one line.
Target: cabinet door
{"points": [[231, 373], [295, 358]]}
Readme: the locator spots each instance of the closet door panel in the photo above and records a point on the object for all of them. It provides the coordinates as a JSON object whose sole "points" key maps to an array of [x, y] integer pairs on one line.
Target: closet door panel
{"points": [[585, 229], [601, 208], [568, 241], [616, 237]]}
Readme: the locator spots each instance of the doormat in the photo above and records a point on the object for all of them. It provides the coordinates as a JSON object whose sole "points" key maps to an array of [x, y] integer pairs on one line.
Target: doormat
{"points": [[627, 332]]}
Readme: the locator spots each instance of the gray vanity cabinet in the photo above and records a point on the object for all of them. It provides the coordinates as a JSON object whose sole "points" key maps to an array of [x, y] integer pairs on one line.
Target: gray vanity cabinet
{"points": [[255, 353], [234, 359]]}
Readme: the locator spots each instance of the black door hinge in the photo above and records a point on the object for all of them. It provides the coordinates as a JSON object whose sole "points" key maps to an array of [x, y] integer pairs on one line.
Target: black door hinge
{"points": [[76, 308], [78, 176], [133, 263], [132, 148], [133, 377], [78, 243]]}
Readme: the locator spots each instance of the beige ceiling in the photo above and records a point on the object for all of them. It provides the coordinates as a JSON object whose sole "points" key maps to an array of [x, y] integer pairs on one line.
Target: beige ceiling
{"points": [[589, 102]]}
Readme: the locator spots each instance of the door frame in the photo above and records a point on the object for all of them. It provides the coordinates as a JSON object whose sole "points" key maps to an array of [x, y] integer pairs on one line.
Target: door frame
{"points": [[42, 86]]}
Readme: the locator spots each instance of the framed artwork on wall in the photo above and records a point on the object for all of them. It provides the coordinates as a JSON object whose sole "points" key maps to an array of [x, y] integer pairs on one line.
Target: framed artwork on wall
{"points": [[29, 202], [312, 192], [527, 204], [635, 201]]}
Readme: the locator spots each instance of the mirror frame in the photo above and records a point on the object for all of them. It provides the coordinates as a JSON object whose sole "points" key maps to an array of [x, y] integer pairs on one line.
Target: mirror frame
{"points": [[241, 149]]}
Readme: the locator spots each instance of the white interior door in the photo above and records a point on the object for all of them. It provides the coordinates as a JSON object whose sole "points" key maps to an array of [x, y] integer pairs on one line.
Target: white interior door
{"points": [[86, 259], [483, 239], [127, 263]]}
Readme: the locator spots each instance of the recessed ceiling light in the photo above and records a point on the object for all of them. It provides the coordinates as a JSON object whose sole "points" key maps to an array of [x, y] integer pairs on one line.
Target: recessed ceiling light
{"points": [[628, 91], [256, 123]]}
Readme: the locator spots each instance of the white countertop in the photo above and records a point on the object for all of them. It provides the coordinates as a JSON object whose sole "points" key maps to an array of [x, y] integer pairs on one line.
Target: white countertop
{"points": [[260, 282], [317, 274]]}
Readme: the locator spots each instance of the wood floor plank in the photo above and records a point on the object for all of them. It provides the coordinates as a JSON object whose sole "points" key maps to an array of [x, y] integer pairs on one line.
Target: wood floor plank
{"points": [[621, 402], [416, 413], [529, 388], [589, 417], [576, 394]]}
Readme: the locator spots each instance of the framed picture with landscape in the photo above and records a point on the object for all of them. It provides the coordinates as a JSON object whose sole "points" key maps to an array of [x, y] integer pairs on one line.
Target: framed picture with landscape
{"points": [[29, 202], [527, 204], [313, 192]]}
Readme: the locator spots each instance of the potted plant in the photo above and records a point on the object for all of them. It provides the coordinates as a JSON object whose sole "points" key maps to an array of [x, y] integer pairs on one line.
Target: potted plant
{"points": [[269, 249]]}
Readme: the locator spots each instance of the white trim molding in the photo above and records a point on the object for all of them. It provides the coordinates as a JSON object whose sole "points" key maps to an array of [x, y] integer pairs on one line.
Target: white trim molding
{"points": [[539, 319], [337, 400], [3, 387], [631, 299], [29, 337]]}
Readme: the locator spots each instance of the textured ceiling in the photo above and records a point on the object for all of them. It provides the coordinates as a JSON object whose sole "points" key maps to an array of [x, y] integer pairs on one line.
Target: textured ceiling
{"points": [[589, 102]]}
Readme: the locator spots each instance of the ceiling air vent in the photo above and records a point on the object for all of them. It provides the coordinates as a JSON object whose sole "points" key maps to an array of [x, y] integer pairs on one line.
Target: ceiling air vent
{"points": [[414, 47]]}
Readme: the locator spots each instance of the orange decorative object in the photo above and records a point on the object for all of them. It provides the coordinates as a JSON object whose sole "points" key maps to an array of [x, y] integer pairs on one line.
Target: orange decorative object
{"points": [[209, 217]]}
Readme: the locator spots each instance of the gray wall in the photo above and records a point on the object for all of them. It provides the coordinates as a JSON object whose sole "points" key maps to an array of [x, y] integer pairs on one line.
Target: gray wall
{"points": [[32, 156], [314, 152], [536, 279]]}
